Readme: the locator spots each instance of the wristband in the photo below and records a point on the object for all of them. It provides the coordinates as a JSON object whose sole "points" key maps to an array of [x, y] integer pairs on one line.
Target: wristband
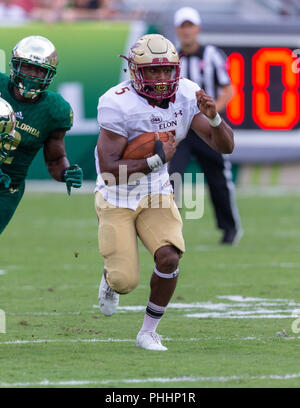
{"points": [[158, 149], [154, 162], [215, 121]]}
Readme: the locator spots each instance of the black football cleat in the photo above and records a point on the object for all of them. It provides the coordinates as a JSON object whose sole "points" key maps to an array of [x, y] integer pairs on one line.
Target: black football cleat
{"points": [[231, 237]]}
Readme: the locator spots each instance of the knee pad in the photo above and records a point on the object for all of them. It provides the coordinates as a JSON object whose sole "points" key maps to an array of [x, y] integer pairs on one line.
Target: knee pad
{"points": [[121, 282]]}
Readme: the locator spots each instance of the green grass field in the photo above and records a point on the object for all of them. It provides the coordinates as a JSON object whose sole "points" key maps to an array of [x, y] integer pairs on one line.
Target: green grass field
{"points": [[229, 323]]}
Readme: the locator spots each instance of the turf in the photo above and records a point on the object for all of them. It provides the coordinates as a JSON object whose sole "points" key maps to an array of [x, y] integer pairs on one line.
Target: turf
{"points": [[50, 271]]}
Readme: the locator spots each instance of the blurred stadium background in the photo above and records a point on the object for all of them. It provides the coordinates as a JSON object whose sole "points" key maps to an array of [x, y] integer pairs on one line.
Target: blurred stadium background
{"points": [[257, 35], [243, 299]]}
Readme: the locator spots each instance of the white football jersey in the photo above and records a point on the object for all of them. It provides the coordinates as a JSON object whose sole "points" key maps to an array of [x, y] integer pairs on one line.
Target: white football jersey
{"points": [[123, 111]]}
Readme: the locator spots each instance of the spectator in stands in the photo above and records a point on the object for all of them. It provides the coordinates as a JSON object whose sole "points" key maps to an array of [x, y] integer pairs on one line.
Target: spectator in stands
{"points": [[15, 11], [89, 10], [27, 5], [49, 11], [64, 10]]}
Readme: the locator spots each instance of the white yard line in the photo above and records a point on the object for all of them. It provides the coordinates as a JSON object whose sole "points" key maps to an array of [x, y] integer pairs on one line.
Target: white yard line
{"points": [[2, 272], [238, 298], [46, 341], [236, 315], [231, 307], [110, 340], [283, 265], [236, 307], [188, 379], [50, 313]]}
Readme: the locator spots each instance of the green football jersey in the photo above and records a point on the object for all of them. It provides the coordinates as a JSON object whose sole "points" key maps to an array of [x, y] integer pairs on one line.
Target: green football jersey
{"points": [[35, 123]]}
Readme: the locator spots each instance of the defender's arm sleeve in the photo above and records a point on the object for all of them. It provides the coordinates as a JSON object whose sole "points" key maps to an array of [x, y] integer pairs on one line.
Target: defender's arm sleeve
{"points": [[62, 114]]}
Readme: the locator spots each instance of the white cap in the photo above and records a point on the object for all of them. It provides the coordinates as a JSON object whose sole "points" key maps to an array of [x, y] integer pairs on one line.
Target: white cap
{"points": [[187, 14]]}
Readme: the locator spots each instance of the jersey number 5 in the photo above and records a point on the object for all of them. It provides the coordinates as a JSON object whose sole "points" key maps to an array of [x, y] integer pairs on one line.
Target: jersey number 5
{"points": [[123, 90]]}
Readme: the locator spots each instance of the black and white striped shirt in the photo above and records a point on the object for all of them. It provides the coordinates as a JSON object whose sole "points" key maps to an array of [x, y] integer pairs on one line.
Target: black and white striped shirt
{"points": [[206, 67]]}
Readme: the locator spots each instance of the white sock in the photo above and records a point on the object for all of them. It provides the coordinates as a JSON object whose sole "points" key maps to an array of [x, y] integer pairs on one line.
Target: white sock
{"points": [[152, 316]]}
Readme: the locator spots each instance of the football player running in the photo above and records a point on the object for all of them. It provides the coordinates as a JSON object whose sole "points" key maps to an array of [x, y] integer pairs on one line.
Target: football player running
{"points": [[42, 119], [154, 99]]}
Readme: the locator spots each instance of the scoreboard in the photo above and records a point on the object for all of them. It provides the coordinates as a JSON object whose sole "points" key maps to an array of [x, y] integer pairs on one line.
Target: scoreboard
{"points": [[264, 109], [266, 88]]}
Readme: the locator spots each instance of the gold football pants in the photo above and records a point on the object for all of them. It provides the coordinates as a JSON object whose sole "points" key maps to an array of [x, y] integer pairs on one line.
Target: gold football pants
{"points": [[156, 221]]}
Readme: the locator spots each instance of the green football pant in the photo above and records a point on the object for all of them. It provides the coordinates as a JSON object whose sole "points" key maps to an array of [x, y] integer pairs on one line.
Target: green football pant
{"points": [[9, 201]]}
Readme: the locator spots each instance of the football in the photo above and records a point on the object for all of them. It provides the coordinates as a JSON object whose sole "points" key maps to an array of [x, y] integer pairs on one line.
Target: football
{"points": [[143, 145]]}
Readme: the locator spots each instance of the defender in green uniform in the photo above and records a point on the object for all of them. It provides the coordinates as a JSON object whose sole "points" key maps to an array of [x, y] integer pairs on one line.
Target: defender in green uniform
{"points": [[42, 119]]}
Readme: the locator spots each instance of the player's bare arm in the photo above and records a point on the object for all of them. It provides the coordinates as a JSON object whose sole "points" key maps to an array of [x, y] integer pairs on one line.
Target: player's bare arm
{"points": [[218, 137], [110, 150], [55, 155]]}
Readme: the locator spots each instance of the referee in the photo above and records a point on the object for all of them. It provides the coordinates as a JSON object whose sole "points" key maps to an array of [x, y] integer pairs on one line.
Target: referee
{"points": [[207, 67]]}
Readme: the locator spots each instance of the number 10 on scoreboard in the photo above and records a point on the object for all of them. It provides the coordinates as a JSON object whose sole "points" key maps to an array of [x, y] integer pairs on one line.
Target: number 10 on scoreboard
{"points": [[285, 118], [2, 322]]}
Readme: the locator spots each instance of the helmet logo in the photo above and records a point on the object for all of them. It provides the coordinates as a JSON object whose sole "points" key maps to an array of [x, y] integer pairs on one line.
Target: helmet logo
{"points": [[160, 60]]}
